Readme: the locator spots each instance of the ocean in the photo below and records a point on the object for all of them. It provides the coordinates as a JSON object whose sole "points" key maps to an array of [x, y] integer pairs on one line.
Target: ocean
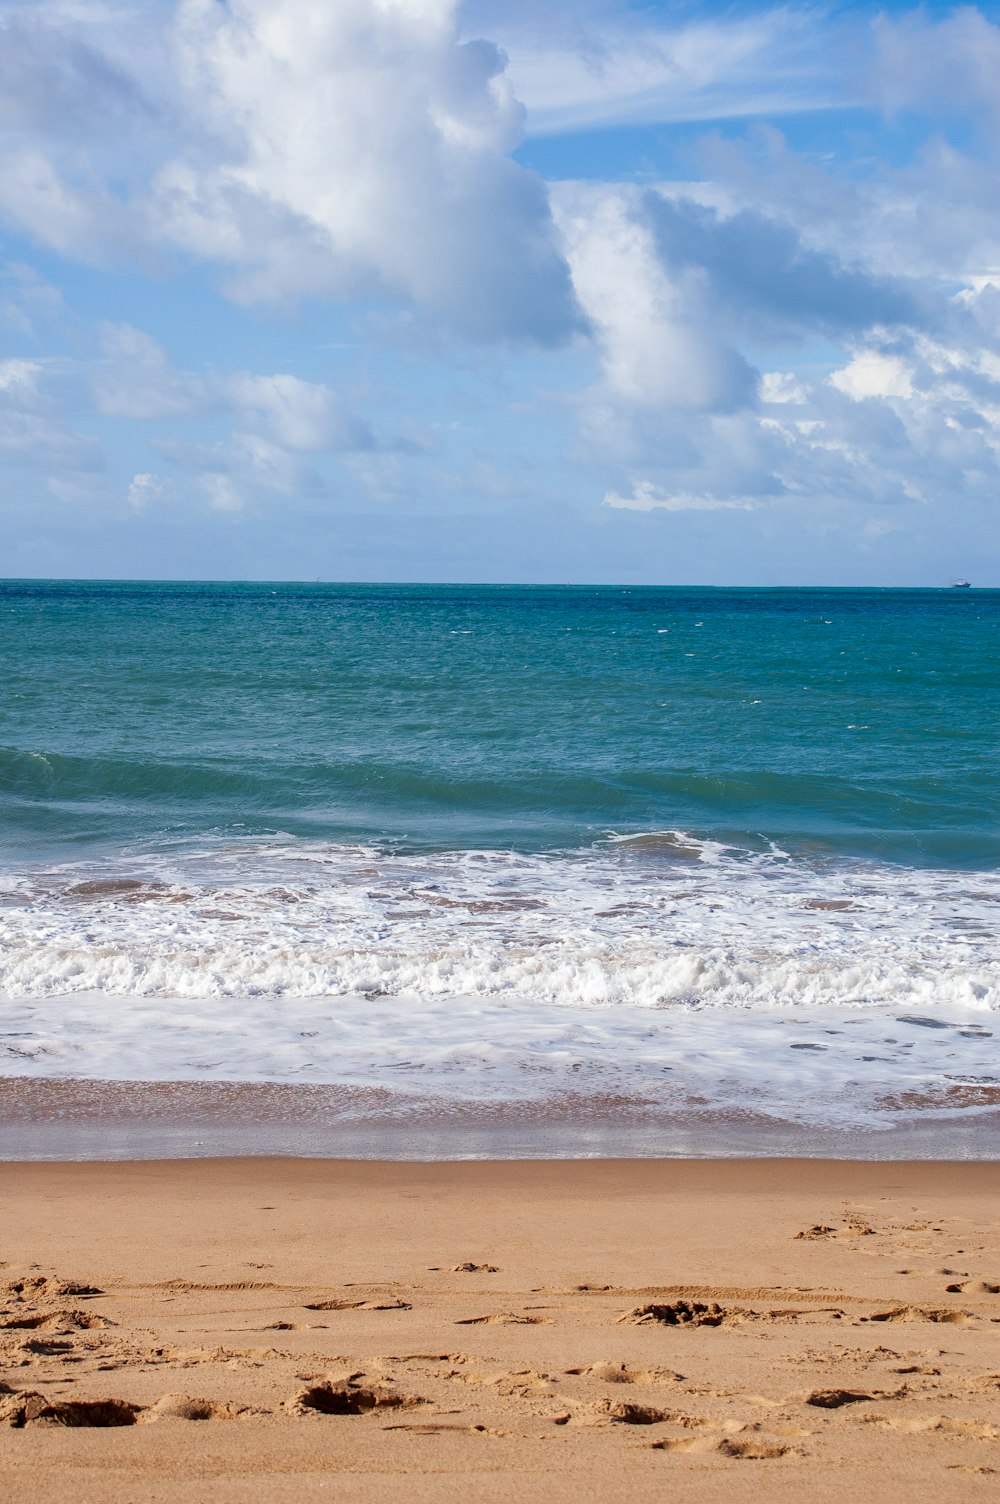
{"points": [[693, 850]]}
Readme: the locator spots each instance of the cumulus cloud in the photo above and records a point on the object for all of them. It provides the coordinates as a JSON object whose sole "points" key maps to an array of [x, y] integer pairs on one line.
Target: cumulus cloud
{"points": [[275, 419], [873, 374], [135, 379], [792, 332], [795, 330], [931, 215], [658, 337], [362, 150], [68, 70], [905, 421], [145, 488], [76, 215], [764, 280], [682, 294], [301, 414], [77, 121], [241, 470], [906, 424]]}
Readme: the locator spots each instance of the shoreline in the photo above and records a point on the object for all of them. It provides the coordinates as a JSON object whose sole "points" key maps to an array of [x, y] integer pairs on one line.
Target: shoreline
{"points": [[292, 1329], [50, 1119]]}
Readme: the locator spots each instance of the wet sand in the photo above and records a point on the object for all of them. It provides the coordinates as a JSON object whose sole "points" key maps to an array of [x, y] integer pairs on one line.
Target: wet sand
{"points": [[299, 1329], [52, 1118]]}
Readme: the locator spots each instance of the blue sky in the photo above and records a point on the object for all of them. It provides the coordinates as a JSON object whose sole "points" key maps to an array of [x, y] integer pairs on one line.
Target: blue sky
{"points": [[499, 290]]}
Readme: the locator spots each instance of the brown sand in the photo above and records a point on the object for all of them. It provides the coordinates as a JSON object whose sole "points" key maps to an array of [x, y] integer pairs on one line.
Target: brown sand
{"points": [[284, 1330]]}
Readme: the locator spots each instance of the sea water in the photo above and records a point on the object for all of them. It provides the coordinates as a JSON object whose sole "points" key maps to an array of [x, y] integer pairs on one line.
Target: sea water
{"points": [[727, 847]]}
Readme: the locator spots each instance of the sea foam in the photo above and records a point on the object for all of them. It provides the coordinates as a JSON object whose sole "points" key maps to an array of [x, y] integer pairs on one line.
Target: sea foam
{"points": [[661, 966]]}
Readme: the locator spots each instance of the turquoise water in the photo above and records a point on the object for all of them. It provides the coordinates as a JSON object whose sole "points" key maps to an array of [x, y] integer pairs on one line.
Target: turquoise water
{"points": [[861, 722], [727, 846]]}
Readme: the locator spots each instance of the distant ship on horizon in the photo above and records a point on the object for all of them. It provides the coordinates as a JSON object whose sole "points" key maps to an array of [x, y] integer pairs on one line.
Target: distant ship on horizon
{"points": [[961, 584]]}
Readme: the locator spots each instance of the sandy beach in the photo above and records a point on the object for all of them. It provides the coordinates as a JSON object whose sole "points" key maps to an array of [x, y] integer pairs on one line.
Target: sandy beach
{"points": [[303, 1329]]}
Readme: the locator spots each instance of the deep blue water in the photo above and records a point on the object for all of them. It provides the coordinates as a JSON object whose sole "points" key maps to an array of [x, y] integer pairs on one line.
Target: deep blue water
{"points": [[858, 722]]}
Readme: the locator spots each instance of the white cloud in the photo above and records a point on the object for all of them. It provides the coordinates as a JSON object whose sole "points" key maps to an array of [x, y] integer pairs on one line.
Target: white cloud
{"points": [[359, 149], [88, 108], [242, 470], [781, 387], [577, 72], [73, 212], [356, 149], [933, 216], [221, 492], [19, 377], [932, 64], [645, 497], [137, 380], [299, 414], [888, 429], [655, 331], [27, 300], [145, 489], [872, 374], [33, 428], [276, 419], [362, 150]]}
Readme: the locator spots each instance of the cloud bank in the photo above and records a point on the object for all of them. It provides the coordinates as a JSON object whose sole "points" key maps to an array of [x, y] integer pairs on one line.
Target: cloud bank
{"points": [[776, 326]]}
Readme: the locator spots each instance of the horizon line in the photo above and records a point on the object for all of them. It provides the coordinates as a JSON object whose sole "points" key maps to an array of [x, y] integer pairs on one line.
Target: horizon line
{"points": [[459, 584]]}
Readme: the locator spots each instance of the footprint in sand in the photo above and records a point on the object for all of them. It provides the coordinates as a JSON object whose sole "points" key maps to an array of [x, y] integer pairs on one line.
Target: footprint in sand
{"points": [[346, 1397], [754, 1449], [970, 1430], [45, 1288], [337, 1303], [437, 1427], [621, 1412], [505, 1318], [53, 1321], [835, 1399], [191, 1407], [920, 1313], [30, 1408], [523, 1383], [678, 1313], [852, 1229], [689, 1313], [44, 1347], [622, 1373], [686, 1444], [628, 1414]]}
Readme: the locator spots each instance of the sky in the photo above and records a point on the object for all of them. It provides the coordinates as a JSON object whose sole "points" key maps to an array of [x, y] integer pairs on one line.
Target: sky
{"points": [[500, 290]]}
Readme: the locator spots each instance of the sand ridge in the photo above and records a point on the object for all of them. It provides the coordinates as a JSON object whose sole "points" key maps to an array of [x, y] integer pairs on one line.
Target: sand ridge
{"points": [[449, 1333]]}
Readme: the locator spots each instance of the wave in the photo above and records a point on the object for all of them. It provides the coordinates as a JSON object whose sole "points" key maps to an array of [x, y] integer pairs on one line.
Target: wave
{"points": [[917, 819], [656, 920], [657, 969]]}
